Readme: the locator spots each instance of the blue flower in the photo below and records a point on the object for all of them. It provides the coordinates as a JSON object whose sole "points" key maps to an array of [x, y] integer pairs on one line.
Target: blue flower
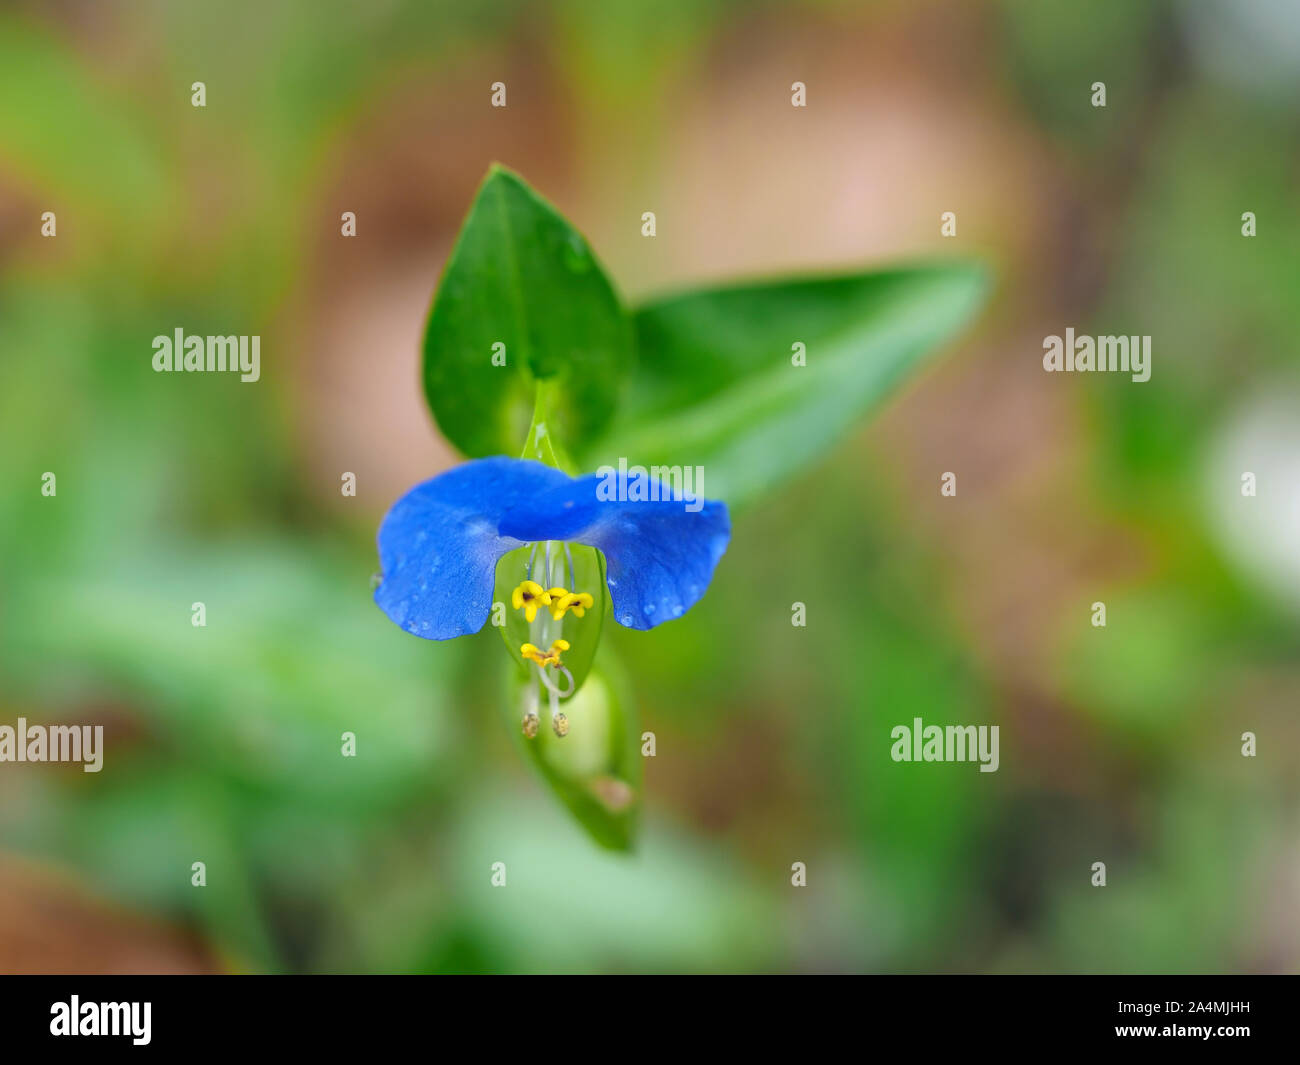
{"points": [[440, 543]]}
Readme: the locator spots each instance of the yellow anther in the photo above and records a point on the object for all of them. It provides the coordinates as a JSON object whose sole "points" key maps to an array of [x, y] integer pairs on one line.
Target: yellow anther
{"points": [[530, 595], [544, 658], [561, 725], [530, 725], [578, 602], [558, 595]]}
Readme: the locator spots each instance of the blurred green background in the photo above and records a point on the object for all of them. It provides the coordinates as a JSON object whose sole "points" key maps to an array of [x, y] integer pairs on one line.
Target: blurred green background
{"points": [[1120, 745]]}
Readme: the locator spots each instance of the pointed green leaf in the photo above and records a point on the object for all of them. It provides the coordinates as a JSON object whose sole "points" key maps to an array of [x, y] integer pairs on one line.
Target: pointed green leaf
{"points": [[522, 284]]}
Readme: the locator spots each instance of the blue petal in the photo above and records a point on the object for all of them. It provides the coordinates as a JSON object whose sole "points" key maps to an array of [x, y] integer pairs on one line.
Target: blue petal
{"points": [[660, 556], [439, 545]]}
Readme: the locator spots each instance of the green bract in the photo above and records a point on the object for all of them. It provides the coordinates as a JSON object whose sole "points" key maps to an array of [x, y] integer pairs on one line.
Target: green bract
{"points": [[582, 633], [595, 771]]}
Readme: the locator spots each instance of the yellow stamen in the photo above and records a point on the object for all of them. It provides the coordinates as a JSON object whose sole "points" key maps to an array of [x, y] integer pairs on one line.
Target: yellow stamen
{"points": [[530, 595], [578, 602], [544, 658], [557, 595]]}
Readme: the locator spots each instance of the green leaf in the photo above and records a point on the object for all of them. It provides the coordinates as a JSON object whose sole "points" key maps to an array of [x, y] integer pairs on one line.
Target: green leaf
{"points": [[595, 770], [717, 385], [522, 277]]}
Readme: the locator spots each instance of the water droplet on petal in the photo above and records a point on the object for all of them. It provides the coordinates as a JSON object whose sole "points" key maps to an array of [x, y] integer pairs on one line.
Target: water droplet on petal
{"points": [[677, 610], [649, 608], [626, 620]]}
